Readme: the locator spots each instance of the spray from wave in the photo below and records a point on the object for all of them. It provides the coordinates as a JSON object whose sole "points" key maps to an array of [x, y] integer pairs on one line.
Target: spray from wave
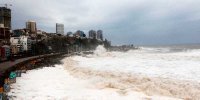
{"points": [[100, 50]]}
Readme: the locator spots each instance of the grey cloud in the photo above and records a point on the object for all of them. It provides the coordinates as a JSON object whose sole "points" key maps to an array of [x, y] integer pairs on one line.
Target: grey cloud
{"points": [[123, 21]]}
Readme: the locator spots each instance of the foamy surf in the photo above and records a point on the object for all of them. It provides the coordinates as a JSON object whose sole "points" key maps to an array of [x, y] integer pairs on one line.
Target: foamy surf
{"points": [[148, 70], [56, 83], [124, 83], [144, 74]]}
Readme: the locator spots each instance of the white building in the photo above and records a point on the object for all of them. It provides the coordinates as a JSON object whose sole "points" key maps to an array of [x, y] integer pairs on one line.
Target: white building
{"points": [[23, 43], [16, 41], [39, 32], [26, 43], [59, 28], [1, 25]]}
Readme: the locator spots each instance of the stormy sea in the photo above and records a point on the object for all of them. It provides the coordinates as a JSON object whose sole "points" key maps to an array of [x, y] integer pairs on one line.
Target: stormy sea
{"points": [[148, 73]]}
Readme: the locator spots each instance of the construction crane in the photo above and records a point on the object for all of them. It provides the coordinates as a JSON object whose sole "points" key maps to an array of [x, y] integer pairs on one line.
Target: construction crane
{"points": [[6, 5]]}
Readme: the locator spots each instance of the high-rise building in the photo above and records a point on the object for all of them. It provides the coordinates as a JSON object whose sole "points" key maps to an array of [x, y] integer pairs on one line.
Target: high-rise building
{"points": [[92, 34], [80, 34], [5, 17], [100, 35], [59, 28], [31, 26]]}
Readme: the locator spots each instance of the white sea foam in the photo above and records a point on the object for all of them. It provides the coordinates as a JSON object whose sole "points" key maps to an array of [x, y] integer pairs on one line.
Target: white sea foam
{"points": [[55, 83], [144, 74]]}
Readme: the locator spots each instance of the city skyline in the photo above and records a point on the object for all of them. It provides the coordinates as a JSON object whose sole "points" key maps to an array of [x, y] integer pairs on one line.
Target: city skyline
{"points": [[123, 21]]}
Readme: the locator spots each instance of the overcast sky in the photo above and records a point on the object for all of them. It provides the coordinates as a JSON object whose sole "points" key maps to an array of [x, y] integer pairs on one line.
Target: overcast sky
{"points": [[123, 21]]}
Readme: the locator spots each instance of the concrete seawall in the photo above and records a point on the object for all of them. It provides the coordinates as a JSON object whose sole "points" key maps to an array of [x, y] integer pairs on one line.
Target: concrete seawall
{"points": [[21, 64]]}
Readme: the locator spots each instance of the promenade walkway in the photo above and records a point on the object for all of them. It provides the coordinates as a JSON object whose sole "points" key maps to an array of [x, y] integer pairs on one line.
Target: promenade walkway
{"points": [[6, 65]]}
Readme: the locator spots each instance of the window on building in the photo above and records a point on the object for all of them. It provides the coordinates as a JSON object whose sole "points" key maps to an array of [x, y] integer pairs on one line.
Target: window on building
{"points": [[1, 19]]}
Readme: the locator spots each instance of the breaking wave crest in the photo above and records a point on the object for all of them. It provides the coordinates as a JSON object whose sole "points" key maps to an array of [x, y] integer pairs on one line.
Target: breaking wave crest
{"points": [[100, 50], [125, 82]]}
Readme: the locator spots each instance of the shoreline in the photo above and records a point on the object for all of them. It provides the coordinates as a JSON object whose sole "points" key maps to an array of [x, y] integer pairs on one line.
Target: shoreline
{"points": [[25, 66]]}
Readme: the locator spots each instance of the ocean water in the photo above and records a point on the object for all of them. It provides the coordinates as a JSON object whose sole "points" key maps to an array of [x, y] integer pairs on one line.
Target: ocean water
{"points": [[177, 62], [149, 73]]}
